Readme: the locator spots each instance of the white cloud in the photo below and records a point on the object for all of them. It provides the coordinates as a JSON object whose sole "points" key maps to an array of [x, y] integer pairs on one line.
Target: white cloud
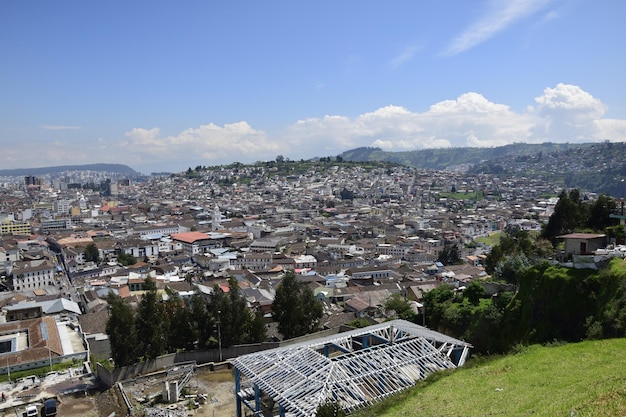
{"points": [[470, 120], [210, 142], [504, 14], [561, 113], [613, 130], [567, 112]]}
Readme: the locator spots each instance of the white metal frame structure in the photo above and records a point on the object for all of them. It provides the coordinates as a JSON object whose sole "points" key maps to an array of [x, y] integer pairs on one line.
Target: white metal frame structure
{"points": [[354, 369]]}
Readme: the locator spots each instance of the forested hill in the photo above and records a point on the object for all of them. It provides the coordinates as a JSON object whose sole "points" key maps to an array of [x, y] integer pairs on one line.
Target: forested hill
{"points": [[597, 167], [120, 168]]}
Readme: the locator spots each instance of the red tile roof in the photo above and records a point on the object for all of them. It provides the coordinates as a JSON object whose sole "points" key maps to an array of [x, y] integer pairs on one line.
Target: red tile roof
{"points": [[190, 237]]}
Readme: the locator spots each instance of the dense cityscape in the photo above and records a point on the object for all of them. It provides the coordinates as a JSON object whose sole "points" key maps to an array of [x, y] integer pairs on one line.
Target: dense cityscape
{"points": [[357, 235]]}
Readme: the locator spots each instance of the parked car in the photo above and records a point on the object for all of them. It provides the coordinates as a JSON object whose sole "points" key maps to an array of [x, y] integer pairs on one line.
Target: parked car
{"points": [[49, 408], [31, 411]]}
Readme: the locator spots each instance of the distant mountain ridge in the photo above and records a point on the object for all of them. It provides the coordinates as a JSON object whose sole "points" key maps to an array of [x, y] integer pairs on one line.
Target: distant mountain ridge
{"points": [[120, 168], [597, 167], [451, 158]]}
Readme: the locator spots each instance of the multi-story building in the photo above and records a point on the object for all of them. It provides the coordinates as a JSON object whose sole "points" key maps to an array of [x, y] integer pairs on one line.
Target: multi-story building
{"points": [[196, 242], [32, 275], [55, 225], [62, 207], [8, 227]]}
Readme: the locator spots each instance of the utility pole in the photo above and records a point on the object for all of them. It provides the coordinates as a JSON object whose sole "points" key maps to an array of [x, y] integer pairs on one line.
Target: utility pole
{"points": [[219, 334]]}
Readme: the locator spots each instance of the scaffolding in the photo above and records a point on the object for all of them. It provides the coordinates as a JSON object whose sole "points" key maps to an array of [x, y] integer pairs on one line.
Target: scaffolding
{"points": [[354, 368]]}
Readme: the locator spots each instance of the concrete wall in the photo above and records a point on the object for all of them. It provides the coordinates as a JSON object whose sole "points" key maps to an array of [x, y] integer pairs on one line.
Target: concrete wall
{"points": [[109, 378]]}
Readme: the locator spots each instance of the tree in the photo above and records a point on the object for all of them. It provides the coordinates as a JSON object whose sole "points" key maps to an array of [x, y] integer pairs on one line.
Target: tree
{"points": [[177, 317], [346, 194], [295, 308], [91, 253], [256, 327], [449, 255], [511, 267], [516, 243], [398, 304], [474, 292], [151, 325], [568, 214], [599, 212], [202, 322], [435, 304], [120, 328], [237, 323], [126, 259]]}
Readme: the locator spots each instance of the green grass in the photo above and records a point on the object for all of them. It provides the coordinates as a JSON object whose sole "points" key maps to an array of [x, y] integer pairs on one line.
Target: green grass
{"points": [[492, 240], [583, 380], [476, 196]]}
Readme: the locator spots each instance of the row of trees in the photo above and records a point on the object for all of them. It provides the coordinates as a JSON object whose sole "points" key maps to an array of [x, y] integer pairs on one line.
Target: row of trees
{"points": [[158, 327]]}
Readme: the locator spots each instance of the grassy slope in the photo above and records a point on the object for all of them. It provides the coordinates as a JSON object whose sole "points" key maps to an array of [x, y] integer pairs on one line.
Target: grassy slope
{"points": [[582, 379]]}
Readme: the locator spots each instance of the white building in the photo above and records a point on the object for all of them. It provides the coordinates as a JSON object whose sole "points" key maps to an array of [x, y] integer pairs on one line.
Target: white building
{"points": [[32, 275]]}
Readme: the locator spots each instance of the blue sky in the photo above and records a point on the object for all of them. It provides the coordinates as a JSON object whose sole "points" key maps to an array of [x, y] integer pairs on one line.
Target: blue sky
{"points": [[161, 86]]}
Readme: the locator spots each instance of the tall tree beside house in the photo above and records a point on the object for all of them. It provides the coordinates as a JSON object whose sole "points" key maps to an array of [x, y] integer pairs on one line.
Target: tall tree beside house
{"points": [[121, 331], [150, 323], [91, 253], [295, 308], [567, 216], [599, 212], [571, 213], [237, 323]]}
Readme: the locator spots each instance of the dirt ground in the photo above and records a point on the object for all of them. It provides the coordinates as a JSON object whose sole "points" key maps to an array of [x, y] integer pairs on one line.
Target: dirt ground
{"points": [[217, 386]]}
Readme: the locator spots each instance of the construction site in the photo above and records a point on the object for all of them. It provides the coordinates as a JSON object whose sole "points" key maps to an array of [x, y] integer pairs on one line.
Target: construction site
{"points": [[182, 390]]}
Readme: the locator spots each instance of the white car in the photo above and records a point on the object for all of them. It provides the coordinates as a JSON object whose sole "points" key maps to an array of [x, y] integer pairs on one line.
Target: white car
{"points": [[31, 411]]}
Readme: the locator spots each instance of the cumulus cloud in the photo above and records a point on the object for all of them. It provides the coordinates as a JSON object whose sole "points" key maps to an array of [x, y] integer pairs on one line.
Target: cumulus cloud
{"points": [[613, 130], [561, 113], [500, 17], [470, 120], [213, 143], [567, 112]]}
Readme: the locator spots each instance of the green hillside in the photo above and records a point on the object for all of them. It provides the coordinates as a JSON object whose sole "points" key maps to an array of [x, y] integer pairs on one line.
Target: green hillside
{"points": [[579, 379], [597, 167], [445, 158]]}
